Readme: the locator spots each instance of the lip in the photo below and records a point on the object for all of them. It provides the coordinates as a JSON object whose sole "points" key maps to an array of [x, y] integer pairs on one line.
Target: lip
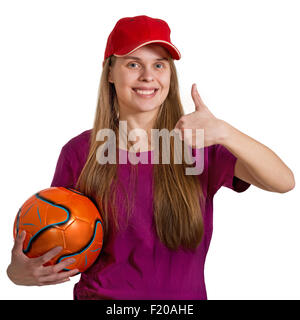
{"points": [[145, 88], [145, 95]]}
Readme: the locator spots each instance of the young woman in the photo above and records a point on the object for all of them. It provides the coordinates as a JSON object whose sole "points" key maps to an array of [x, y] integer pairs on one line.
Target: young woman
{"points": [[157, 219]]}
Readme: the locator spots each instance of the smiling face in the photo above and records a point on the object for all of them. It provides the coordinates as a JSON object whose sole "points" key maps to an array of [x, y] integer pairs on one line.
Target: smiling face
{"points": [[145, 68]]}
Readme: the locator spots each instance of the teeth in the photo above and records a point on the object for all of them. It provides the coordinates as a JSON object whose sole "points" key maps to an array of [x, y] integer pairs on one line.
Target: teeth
{"points": [[144, 91]]}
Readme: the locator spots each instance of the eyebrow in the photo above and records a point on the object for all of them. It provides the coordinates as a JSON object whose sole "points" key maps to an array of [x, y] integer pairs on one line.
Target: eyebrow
{"points": [[137, 58]]}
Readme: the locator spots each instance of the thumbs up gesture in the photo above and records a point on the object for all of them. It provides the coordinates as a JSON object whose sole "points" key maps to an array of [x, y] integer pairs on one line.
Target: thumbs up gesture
{"points": [[201, 118]]}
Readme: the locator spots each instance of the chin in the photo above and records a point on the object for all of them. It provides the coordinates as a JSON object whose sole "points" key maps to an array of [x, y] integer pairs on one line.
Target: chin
{"points": [[147, 108]]}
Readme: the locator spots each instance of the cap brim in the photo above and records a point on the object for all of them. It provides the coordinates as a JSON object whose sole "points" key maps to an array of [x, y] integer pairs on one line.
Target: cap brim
{"points": [[174, 52]]}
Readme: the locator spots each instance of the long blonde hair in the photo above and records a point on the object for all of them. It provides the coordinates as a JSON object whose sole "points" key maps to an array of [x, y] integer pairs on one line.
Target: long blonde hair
{"points": [[177, 197]]}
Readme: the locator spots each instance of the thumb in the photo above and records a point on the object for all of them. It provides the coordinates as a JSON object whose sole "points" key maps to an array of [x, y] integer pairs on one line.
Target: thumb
{"points": [[18, 246], [199, 104], [195, 97]]}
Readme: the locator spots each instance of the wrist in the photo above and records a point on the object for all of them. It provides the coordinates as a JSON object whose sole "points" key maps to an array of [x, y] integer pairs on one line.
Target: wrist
{"points": [[223, 132]]}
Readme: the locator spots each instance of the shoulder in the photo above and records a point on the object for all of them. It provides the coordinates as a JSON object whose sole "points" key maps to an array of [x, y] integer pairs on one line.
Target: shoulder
{"points": [[218, 152], [82, 138], [220, 161], [78, 146]]}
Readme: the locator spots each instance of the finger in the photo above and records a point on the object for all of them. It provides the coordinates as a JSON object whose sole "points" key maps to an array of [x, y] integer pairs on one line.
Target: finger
{"points": [[48, 255], [176, 128], [178, 132], [18, 245], [58, 276], [56, 282], [196, 97], [62, 265], [57, 267]]}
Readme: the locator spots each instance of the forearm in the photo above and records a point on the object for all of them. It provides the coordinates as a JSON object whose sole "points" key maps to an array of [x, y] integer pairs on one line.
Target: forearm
{"points": [[263, 164]]}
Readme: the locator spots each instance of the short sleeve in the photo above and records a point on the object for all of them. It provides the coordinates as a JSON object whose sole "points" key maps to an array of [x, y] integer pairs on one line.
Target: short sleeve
{"points": [[221, 163], [63, 176]]}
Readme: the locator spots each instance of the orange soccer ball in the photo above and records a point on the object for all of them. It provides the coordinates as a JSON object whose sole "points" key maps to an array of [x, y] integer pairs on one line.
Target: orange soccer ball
{"points": [[63, 217]]}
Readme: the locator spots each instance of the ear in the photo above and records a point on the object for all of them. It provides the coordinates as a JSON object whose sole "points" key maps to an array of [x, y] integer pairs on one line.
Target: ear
{"points": [[110, 76]]}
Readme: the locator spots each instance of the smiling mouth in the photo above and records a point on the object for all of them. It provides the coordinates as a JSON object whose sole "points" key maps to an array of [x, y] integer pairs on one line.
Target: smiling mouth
{"points": [[145, 93]]}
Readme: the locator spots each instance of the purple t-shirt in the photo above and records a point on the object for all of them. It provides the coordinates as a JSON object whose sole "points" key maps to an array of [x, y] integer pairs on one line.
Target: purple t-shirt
{"points": [[134, 264]]}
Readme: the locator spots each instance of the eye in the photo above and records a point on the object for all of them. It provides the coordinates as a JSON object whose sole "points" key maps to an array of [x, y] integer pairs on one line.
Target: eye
{"points": [[134, 63], [131, 63], [160, 64]]}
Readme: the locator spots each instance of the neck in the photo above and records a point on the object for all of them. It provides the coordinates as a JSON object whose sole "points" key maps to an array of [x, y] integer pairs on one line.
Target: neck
{"points": [[137, 127]]}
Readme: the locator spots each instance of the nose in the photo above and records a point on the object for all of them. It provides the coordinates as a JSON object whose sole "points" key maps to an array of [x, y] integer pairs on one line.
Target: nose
{"points": [[146, 74]]}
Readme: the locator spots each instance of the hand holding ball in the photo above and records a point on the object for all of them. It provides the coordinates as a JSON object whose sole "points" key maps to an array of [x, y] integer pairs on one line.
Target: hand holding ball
{"points": [[62, 217]]}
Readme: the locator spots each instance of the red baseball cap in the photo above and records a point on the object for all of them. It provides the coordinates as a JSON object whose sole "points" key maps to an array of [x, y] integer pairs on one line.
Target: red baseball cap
{"points": [[131, 33]]}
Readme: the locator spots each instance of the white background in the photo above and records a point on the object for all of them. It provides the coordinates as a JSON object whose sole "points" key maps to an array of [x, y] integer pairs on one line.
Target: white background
{"points": [[244, 58]]}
